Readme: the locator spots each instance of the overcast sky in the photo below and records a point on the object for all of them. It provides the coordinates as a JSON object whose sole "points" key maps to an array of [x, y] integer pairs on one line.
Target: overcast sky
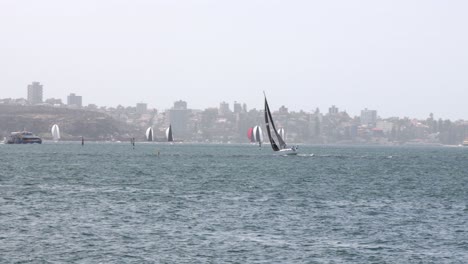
{"points": [[402, 58]]}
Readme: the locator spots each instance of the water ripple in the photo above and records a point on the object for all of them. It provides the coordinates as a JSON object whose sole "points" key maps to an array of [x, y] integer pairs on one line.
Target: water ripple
{"points": [[108, 203]]}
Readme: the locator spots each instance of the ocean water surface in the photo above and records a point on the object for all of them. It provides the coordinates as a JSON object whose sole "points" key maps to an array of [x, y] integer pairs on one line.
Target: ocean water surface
{"points": [[109, 203]]}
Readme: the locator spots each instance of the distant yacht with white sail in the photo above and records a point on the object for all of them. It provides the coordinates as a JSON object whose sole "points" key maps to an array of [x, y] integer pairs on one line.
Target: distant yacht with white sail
{"points": [[169, 136], [255, 135], [149, 134], [281, 133], [55, 132], [281, 147]]}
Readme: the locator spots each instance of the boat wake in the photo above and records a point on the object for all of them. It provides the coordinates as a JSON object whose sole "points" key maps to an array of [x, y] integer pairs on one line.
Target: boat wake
{"points": [[306, 155]]}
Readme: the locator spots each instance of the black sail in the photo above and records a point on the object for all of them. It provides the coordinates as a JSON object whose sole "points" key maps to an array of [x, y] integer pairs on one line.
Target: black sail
{"points": [[169, 134], [280, 139], [267, 122]]}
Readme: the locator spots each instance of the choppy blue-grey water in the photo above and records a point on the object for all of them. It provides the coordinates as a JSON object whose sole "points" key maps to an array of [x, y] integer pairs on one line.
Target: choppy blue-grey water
{"points": [[106, 203]]}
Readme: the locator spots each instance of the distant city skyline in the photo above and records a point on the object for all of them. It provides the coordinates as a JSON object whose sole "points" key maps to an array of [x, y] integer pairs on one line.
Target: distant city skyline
{"points": [[150, 105], [400, 58]]}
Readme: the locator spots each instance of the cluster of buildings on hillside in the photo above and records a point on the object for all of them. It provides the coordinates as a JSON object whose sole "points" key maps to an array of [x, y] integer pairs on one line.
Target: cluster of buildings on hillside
{"points": [[35, 97], [226, 124]]}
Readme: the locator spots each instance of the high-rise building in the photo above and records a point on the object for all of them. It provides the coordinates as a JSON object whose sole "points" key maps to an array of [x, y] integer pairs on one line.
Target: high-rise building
{"points": [[368, 117], [224, 109], [244, 108], [333, 110], [74, 100], [141, 108], [178, 118], [35, 93], [180, 105], [237, 108]]}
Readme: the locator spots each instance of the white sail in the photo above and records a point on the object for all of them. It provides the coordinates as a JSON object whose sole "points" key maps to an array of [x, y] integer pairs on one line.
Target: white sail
{"points": [[254, 134], [169, 134], [281, 133], [260, 134], [55, 132], [257, 134], [149, 134]]}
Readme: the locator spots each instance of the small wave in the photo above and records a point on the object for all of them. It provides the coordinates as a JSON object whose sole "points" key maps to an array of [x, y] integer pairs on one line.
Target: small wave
{"points": [[140, 172], [241, 156]]}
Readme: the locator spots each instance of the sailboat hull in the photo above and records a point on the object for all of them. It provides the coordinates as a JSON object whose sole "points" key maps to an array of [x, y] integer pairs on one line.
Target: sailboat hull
{"points": [[286, 151]]}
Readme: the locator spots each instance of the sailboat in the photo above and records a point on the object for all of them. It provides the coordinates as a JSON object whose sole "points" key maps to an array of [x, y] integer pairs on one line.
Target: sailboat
{"points": [[169, 134], [255, 134], [258, 135], [55, 132], [281, 147], [149, 134]]}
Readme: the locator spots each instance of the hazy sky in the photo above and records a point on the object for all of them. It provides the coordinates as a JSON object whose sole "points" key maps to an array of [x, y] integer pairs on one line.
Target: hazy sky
{"points": [[403, 58]]}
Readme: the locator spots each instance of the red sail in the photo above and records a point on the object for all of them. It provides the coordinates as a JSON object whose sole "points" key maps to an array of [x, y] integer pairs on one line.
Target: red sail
{"points": [[250, 134]]}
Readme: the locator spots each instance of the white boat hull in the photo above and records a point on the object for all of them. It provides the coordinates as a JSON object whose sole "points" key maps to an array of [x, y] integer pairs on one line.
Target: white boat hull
{"points": [[287, 151]]}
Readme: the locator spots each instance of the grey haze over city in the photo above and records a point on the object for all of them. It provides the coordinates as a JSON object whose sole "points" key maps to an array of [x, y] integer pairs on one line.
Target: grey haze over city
{"points": [[402, 58]]}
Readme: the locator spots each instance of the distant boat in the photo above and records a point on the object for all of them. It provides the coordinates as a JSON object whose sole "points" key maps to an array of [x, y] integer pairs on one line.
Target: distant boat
{"points": [[149, 134], [281, 133], [55, 132], [169, 134], [258, 135], [255, 135], [281, 147], [23, 137], [465, 143]]}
